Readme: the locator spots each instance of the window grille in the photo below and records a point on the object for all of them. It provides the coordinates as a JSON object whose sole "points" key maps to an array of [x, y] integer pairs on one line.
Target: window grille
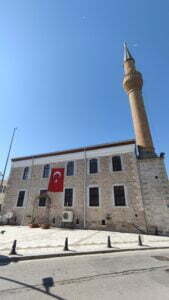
{"points": [[119, 195], [116, 163], [42, 198], [94, 196], [25, 173], [46, 171], [68, 200], [21, 197], [93, 167], [70, 168]]}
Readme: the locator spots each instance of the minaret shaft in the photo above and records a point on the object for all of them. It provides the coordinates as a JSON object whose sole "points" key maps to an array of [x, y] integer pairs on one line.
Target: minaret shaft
{"points": [[132, 84], [140, 121]]}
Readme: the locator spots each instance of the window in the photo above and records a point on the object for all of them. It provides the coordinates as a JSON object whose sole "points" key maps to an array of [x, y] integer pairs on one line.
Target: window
{"points": [[68, 201], [70, 168], [25, 173], [93, 166], [116, 163], [42, 198], [119, 195], [46, 171], [94, 196], [4, 189], [21, 197]]}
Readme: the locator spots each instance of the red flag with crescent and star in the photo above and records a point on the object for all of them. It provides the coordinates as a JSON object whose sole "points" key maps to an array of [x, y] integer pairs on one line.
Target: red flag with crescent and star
{"points": [[56, 181]]}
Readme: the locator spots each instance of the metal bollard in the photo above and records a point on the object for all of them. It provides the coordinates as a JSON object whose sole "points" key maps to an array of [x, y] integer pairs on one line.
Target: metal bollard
{"points": [[13, 249], [66, 245], [48, 283], [156, 230], [140, 243], [109, 242]]}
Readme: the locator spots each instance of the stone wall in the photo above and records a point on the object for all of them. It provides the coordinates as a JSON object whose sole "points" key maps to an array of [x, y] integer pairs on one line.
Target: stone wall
{"points": [[155, 193], [129, 218]]}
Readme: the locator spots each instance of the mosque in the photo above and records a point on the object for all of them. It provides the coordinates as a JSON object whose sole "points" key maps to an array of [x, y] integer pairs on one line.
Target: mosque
{"points": [[120, 186]]}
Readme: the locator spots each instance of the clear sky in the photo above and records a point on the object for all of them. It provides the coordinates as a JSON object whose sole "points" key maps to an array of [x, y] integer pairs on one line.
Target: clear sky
{"points": [[61, 72]]}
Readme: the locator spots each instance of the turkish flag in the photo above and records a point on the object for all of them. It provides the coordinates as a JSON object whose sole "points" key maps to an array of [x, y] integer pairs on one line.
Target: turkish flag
{"points": [[56, 180]]}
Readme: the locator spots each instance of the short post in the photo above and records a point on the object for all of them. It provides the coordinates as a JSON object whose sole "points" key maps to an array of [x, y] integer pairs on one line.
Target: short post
{"points": [[109, 242], [140, 243], [66, 245], [156, 230], [48, 283], [13, 249]]}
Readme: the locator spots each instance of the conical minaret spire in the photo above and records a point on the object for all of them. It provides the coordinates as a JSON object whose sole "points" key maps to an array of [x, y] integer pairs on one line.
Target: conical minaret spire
{"points": [[132, 84], [127, 54]]}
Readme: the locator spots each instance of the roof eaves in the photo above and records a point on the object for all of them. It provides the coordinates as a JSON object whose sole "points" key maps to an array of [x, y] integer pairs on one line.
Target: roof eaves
{"points": [[85, 148]]}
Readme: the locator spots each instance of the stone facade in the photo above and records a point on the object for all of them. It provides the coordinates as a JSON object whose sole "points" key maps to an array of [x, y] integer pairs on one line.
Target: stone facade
{"points": [[126, 218], [2, 193], [155, 193], [146, 195]]}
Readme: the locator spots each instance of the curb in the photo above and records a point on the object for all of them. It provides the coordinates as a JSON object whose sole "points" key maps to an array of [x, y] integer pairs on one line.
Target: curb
{"points": [[44, 256]]}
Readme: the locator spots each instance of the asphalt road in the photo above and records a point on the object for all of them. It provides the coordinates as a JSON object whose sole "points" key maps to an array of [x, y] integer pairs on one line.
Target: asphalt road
{"points": [[132, 275]]}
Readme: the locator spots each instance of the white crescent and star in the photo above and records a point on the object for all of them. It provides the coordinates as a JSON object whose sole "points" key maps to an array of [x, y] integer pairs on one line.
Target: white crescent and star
{"points": [[56, 175]]}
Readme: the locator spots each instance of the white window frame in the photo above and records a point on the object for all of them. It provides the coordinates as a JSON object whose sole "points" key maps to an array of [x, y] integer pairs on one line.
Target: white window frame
{"points": [[49, 171], [74, 174], [88, 166], [24, 200], [73, 201], [125, 193], [111, 165], [88, 195]]}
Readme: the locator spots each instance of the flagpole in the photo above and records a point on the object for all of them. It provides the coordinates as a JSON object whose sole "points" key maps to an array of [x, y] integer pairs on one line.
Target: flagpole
{"points": [[7, 159]]}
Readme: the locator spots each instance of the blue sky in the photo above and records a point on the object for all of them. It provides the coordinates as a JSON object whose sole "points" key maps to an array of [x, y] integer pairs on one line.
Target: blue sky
{"points": [[61, 72]]}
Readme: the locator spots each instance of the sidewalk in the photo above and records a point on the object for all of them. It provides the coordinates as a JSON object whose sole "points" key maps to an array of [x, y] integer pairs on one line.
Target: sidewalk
{"points": [[37, 241]]}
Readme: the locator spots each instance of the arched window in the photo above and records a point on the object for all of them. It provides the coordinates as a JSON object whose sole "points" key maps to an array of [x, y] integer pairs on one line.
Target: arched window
{"points": [[25, 173], [93, 166], [116, 163], [46, 171]]}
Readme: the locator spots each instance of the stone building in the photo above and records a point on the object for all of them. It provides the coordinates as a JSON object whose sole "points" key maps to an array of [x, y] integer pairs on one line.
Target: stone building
{"points": [[121, 186], [2, 193]]}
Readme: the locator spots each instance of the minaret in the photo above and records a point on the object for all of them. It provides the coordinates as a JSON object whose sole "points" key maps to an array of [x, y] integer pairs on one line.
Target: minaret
{"points": [[132, 84]]}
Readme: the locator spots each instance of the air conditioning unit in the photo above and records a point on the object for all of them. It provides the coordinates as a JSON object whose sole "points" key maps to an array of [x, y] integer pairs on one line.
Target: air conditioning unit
{"points": [[67, 216]]}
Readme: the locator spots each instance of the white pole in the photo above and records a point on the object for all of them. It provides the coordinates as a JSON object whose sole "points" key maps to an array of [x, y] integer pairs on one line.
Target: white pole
{"points": [[84, 203], [7, 159], [28, 192]]}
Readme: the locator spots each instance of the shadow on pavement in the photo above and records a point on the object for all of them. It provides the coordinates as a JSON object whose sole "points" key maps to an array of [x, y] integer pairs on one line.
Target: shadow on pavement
{"points": [[4, 260], [47, 283]]}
